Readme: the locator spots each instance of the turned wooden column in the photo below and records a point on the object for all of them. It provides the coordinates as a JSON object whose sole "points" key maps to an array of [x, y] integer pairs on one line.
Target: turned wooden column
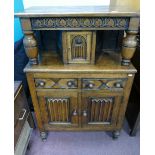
{"points": [[129, 47], [130, 42], [31, 49], [30, 43]]}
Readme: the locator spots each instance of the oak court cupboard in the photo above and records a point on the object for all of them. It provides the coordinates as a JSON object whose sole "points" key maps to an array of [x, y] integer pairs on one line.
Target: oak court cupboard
{"points": [[77, 89]]}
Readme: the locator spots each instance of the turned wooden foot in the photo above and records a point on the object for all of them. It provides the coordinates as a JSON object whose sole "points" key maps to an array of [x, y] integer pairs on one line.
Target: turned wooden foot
{"points": [[115, 134], [129, 47], [43, 136], [30, 45]]}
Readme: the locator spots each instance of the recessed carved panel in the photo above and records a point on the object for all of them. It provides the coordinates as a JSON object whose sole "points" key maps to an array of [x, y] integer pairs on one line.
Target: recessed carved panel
{"points": [[79, 47], [58, 109], [100, 110]]}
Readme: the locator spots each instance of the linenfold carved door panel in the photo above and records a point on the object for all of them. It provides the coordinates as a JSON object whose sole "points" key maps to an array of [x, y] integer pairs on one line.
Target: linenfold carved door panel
{"points": [[58, 108], [100, 109]]}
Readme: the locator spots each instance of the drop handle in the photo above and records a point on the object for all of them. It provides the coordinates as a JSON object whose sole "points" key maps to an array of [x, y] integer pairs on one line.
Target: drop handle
{"points": [[84, 113]]}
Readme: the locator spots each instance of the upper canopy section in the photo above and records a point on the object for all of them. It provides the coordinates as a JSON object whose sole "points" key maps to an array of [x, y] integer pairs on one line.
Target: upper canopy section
{"points": [[78, 11]]}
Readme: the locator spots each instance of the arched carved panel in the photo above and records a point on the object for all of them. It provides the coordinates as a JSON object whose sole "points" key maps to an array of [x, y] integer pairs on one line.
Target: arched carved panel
{"points": [[58, 109], [79, 47], [100, 110]]}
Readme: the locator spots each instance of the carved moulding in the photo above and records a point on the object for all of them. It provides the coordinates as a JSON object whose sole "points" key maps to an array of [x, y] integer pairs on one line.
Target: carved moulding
{"points": [[120, 23]]}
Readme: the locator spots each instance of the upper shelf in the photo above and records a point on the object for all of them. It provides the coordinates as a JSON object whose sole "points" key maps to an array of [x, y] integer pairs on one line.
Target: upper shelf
{"points": [[78, 11], [108, 61]]}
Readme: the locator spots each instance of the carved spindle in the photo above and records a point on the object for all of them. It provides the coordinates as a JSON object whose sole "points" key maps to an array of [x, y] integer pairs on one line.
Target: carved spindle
{"points": [[129, 47], [30, 45]]}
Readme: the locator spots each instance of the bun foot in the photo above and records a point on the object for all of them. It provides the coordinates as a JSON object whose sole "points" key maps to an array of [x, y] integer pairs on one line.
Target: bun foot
{"points": [[115, 134], [43, 136]]}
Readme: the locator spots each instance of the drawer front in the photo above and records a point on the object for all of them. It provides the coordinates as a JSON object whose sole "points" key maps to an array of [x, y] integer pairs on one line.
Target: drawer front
{"points": [[57, 83], [104, 84]]}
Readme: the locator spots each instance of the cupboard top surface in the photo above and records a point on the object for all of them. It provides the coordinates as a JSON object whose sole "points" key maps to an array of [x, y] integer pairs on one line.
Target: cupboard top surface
{"points": [[107, 62], [78, 11]]}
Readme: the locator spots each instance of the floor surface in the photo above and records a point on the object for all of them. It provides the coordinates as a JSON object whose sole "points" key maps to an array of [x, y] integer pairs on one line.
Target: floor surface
{"points": [[84, 143]]}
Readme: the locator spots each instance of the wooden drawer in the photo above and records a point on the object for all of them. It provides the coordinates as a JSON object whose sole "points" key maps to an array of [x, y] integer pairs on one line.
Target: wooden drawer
{"points": [[57, 83], [104, 84]]}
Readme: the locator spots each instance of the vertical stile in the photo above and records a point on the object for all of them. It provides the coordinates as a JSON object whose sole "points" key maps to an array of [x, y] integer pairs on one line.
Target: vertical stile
{"points": [[67, 110], [62, 111], [92, 110], [109, 110], [100, 113], [104, 111], [49, 107], [65, 115], [55, 110], [59, 110]]}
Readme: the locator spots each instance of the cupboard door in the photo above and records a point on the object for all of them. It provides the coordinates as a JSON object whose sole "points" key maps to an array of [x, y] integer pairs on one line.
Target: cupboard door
{"points": [[79, 46], [58, 108], [100, 109]]}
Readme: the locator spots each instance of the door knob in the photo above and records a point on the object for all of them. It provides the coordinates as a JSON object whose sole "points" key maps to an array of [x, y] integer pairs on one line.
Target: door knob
{"points": [[75, 113], [84, 113]]}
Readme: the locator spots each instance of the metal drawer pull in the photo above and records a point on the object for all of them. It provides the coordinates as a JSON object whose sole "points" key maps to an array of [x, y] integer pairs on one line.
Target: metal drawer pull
{"points": [[118, 85], [21, 118], [71, 84], [42, 83], [91, 85]]}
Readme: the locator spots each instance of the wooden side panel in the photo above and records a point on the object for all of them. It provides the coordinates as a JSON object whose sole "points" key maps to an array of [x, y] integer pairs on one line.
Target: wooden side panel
{"points": [[124, 102], [31, 84]]}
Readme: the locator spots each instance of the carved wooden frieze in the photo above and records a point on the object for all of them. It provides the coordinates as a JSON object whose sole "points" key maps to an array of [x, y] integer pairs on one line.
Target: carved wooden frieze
{"points": [[76, 23]]}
